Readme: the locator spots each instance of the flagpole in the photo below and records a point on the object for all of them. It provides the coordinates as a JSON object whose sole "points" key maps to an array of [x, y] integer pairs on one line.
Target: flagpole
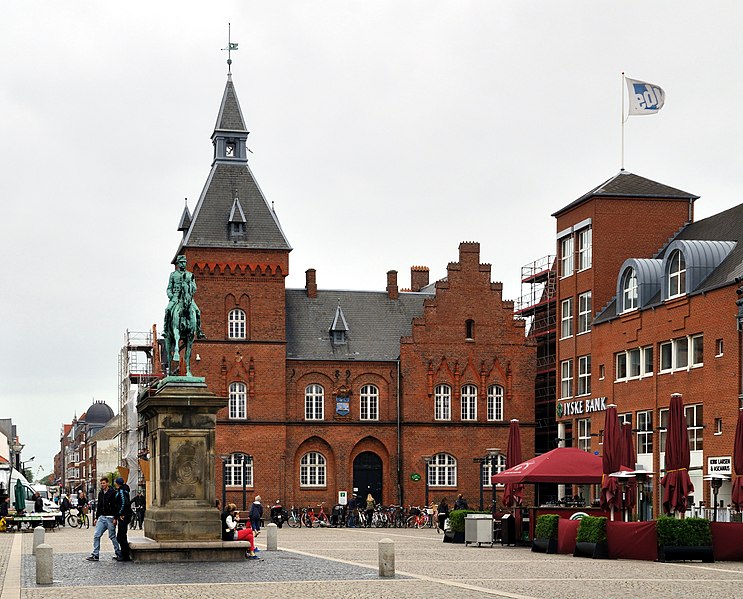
{"points": [[622, 90]]}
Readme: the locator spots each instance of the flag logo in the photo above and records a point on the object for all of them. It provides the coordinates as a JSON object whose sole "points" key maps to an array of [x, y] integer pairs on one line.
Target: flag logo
{"points": [[644, 98]]}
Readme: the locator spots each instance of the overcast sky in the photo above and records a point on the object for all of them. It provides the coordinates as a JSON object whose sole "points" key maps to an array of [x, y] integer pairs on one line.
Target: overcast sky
{"points": [[385, 133]]}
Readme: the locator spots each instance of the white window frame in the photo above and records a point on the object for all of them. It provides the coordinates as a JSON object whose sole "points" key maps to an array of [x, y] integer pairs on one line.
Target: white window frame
{"points": [[495, 402], [488, 471], [663, 414], [442, 471], [676, 274], [584, 375], [630, 291], [694, 414], [566, 379], [566, 318], [369, 402], [314, 402], [313, 470], [685, 352], [719, 348], [567, 262], [696, 348], [584, 313], [636, 362], [585, 248], [469, 402], [237, 324], [645, 432], [442, 402], [584, 434], [234, 470], [238, 402]]}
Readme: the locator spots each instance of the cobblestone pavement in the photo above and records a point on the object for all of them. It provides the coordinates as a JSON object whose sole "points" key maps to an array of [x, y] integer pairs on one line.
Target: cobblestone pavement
{"points": [[6, 542], [330, 563]]}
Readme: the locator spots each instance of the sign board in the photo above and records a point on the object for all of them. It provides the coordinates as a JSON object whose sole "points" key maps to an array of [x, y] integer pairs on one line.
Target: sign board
{"points": [[342, 405], [415, 477], [720, 465], [343, 497], [581, 406]]}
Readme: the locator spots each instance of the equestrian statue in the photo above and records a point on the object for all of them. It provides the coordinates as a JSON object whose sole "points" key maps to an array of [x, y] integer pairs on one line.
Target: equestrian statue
{"points": [[182, 318]]}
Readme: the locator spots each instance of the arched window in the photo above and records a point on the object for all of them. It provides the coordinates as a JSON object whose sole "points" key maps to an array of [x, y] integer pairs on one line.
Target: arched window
{"points": [[442, 471], [314, 402], [236, 324], [233, 470], [495, 402], [629, 290], [469, 402], [442, 402], [369, 396], [312, 470], [676, 274], [488, 470], [238, 401]]}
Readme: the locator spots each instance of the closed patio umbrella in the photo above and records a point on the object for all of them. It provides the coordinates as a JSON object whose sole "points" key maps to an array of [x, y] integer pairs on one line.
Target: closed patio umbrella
{"points": [[611, 461], [513, 492], [738, 463], [676, 483], [20, 496], [629, 459]]}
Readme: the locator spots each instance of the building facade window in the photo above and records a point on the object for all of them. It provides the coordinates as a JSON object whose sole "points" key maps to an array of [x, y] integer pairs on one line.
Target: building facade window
{"points": [[566, 318], [663, 428], [584, 434], [566, 379], [442, 402], [645, 432], [442, 471], [634, 363], [625, 418], [469, 402], [236, 324], [584, 312], [369, 397], [695, 426], [469, 329], [682, 354], [488, 471], [718, 348], [676, 274], [566, 256], [312, 470], [629, 290], [697, 350], [234, 470], [495, 402], [585, 249], [584, 375], [314, 402], [238, 407]]}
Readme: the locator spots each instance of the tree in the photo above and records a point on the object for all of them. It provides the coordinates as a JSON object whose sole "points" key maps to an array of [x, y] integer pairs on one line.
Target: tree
{"points": [[29, 474]]}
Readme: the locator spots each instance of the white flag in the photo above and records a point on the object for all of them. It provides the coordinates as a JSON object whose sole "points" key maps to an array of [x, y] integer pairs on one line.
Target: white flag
{"points": [[644, 98]]}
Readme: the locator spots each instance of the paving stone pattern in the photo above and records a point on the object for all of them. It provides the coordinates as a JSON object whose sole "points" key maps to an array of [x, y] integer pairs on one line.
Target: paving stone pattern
{"points": [[6, 543]]}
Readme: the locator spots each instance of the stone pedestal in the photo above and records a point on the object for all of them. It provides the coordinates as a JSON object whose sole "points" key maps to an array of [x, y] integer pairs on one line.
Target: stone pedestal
{"points": [[181, 416]]}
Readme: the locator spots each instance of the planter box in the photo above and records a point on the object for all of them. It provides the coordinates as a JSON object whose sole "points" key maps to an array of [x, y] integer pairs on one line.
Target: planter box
{"points": [[544, 545], [453, 537], [592, 550], [669, 553], [726, 540]]}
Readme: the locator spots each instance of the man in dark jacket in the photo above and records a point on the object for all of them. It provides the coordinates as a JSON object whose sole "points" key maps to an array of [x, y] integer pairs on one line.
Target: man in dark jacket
{"points": [[38, 503], [64, 507], [123, 509], [105, 513]]}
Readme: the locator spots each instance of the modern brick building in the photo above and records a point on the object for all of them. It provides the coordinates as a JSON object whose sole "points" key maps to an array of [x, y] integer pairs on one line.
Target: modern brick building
{"points": [[645, 308], [333, 390]]}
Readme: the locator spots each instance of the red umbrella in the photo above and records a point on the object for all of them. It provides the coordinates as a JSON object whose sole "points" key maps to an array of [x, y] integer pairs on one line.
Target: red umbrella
{"points": [[611, 461], [676, 483], [564, 465], [738, 463], [629, 459], [513, 492]]}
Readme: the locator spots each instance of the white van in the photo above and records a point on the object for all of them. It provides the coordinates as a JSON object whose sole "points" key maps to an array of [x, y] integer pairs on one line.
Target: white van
{"points": [[10, 478]]}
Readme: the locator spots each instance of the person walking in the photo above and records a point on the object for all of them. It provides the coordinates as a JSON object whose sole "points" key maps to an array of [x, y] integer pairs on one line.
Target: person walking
{"points": [[353, 517], [369, 509], [443, 512], [123, 510], [64, 507], [105, 513], [139, 503], [255, 514]]}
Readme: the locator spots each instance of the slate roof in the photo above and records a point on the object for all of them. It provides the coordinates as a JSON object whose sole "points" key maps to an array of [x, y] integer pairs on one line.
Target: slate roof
{"points": [[230, 117], [375, 324], [627, 185], [185, 221], [724, 226]]}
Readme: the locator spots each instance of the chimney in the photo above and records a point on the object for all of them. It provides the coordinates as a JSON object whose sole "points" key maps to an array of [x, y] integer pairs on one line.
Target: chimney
{"points": [[310, 283], [392, 291], [418, 277]]}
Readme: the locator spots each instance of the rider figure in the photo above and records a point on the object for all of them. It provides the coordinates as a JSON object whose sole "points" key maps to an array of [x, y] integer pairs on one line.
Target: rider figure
{"points": [[181, 282]]}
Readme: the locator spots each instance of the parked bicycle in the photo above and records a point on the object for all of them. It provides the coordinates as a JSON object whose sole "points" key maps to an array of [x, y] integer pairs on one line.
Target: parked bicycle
{"points": [[78, 518]]}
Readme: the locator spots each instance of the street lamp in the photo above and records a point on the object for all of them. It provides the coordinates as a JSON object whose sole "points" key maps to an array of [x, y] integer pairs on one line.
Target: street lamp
{"points": [[715, 481], [224, 480], [492, 457], [426, 460]]}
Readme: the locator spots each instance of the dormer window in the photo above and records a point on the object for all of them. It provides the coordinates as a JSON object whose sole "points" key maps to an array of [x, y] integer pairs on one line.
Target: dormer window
{"points": [[238, 228], [676, 274], [339, 328], [629, 290], [339, 337]]}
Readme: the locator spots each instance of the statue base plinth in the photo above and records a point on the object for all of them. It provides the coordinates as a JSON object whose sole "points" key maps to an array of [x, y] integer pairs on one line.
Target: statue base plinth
{"points": [[148, 550]]}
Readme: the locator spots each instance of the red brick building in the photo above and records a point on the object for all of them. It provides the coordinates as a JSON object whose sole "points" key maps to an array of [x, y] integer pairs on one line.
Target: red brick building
{"points": [[645, 308], [333, 390]]}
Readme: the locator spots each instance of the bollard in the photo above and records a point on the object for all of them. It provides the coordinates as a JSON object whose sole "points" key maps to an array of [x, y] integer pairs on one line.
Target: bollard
{"points": [[38, 537], [272, 537], [386, 558], [44, 564]]}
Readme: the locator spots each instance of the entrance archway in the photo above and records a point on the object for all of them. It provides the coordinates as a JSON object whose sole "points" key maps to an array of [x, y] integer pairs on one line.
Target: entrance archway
{"points": [[367, 476]]}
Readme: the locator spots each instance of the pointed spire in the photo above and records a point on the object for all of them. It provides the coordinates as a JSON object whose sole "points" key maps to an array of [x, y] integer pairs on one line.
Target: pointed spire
{"points": [[339, 322], [230, 117], [185, 222]]}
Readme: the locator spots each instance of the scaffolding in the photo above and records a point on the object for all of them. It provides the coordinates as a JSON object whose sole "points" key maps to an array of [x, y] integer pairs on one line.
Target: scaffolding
{"points": [[138, 369]]}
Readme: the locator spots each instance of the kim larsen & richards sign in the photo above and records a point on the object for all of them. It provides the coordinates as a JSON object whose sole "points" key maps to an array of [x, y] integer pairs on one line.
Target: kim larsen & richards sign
{"points": [[581, 406]]}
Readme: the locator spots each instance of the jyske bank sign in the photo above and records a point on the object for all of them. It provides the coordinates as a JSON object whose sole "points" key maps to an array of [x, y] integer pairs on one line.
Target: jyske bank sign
{"points": [[579, 407]]}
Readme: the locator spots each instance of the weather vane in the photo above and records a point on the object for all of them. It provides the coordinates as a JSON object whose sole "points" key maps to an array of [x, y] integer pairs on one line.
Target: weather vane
{"points": [[230, 47]]}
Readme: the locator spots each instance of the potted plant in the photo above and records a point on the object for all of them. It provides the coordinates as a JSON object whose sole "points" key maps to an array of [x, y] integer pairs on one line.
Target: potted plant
{"points": [[688, 539], [591, 539], [455, 532], [545, 534]]}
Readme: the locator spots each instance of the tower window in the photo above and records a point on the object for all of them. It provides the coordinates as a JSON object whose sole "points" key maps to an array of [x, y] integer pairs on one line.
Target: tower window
{"points": [[469, 327], [229, 150]]}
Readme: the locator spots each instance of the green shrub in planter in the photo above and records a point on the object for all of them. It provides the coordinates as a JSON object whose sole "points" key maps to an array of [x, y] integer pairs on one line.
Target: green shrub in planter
{"points": [[546, 526], [456, 519], [690, 532], [592, 530]]}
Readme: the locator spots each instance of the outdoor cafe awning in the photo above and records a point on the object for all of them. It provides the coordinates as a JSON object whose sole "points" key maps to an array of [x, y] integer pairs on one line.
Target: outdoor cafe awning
{"points": [[563, 465]]}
